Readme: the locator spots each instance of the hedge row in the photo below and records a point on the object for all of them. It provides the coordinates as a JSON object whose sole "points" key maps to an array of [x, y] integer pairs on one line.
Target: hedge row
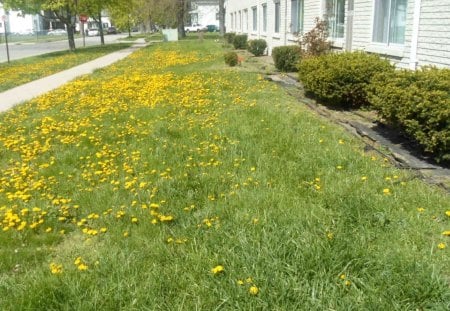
{"points": [[416, 102], [419, 103], [341, 79]]}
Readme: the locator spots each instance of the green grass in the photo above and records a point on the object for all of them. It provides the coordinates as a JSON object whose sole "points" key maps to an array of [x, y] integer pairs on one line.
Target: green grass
{"points": [[281, 198], [19, 72]]}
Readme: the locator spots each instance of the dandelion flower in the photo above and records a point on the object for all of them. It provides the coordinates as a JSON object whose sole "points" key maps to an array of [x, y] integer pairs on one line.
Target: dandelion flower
{"points": [[56, 268], [386, 191], [240, 282], [347, 283], [217, 269], [253, 290], [446, 233], [420, 209], [441, 245], [82, 267], [447, 213]]}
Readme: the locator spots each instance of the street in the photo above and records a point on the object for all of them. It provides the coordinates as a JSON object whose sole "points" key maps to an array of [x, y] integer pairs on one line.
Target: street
{"points": [[22, 50]]}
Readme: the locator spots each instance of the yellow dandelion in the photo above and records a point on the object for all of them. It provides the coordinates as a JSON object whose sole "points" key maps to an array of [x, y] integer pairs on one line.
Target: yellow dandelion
{"points": [[82, 267], [420, 209], [342, 276], [253, 290], [217, 269], [134, 220], [441, 245], [56, 268], [446, 233], [126, 234], [447, 213], [347, 283], [386, 191], [240, 282]]}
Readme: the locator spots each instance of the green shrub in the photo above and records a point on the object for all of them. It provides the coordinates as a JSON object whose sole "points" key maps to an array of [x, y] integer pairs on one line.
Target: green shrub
{"points": [[240, 42], [229, 37], [231, 58], [419, 103], [257, 47], [286, 58], [341, 80]]}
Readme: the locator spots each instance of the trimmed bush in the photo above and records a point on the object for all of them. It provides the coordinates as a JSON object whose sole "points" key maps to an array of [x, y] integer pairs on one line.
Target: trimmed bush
{"points": [[229, 37], [419, 103], [341, 80], [240, 42], [286, 58], [231, 58], [257, 47]]}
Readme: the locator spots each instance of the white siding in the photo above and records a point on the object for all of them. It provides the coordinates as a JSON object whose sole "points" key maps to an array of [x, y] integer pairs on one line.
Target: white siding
{"points": [[433, 44], [434, 33]]}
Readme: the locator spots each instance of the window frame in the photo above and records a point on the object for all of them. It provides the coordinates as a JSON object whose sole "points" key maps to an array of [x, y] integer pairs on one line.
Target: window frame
{"points": [[297, 16], [264, 17], [255, 18]]}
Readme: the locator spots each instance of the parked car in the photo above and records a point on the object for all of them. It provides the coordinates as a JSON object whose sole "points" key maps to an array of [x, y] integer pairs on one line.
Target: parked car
{"points": [[212, 28], [57, 32], [91, 32], [111, 30], [195, 28], [25, 32]]}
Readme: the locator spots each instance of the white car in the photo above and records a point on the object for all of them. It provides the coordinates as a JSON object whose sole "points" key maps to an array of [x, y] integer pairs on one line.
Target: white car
{"points": [[195, 28], [93, 32], [57, 32]]}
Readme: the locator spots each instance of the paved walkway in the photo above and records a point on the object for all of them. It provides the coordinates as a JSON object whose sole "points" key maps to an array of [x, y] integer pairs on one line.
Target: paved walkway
{"points": [[35, 88]]}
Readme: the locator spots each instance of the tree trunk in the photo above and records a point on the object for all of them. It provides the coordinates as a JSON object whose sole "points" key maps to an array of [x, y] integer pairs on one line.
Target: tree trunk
{"points": [[100, 28], [180, 18], [222, 17], [69, 21]]}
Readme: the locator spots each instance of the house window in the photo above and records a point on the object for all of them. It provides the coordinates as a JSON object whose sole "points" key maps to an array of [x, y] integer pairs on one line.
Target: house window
{"points": [[277, 16], [255, 18], [335, 17], [240, 21], [296, 16], [264, 21], [389, 21], [246, 20]]}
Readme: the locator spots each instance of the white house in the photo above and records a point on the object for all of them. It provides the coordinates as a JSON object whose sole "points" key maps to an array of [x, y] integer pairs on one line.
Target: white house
{"points": [[412, 33], [204, 12], [17, 22]]}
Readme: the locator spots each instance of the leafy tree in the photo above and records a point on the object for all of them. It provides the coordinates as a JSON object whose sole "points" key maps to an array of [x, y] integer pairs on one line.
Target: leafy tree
{"points": [[65, 10]]}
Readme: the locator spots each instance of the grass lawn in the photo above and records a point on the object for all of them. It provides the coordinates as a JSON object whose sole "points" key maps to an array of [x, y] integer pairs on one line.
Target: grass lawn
{"points": [[171, 182], [18, 72]]}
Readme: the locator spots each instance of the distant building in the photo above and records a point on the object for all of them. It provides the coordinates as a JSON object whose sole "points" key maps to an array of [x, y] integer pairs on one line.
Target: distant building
{"points": [[204, 12], [411, 33], [19, 23]]}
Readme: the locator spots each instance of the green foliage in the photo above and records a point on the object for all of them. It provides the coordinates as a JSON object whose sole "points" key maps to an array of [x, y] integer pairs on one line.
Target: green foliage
{"points": [[229, 37], [257, 47], [240, 42], [341, 80], [286, 58], [419, 103], [231, 58], [315, 42]]}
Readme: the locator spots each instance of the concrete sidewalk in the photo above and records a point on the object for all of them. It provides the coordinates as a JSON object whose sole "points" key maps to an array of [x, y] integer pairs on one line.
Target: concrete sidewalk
{"points": [[35, 88]]}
